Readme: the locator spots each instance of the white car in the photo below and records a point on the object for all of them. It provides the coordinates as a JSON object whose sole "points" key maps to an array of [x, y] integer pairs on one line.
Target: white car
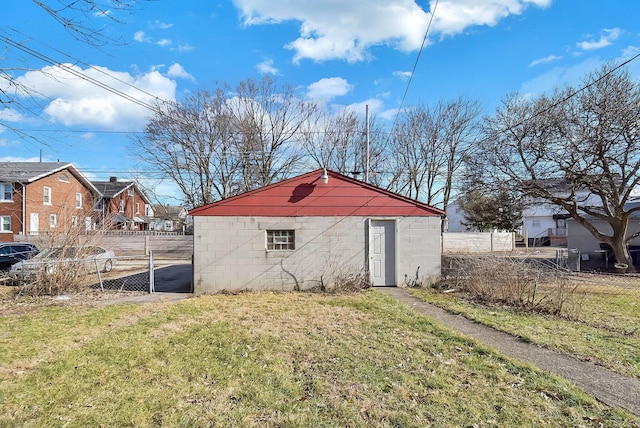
{"points": [[74, 260]]}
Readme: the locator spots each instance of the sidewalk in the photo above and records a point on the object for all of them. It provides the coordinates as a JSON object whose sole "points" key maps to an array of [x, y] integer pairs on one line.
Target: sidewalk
{"points": [[611, 388]]}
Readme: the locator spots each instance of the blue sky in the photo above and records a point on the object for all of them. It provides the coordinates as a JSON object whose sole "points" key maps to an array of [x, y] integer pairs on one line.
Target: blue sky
{"points": [[344, 53]]}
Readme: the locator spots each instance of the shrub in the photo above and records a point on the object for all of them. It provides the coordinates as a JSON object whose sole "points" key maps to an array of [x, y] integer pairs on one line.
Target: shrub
{"points": [[518, 283]]}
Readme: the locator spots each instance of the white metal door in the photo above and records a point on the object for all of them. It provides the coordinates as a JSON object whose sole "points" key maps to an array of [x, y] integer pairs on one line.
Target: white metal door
{"points": [[383, 253], [34, 223]]}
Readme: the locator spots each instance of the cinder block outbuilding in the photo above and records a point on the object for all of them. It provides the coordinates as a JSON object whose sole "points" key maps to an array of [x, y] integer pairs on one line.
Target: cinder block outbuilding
{"points": [[317, 229]]}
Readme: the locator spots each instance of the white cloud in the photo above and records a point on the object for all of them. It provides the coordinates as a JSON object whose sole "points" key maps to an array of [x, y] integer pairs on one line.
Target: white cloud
{"points": [[10, 115], [630, 51], [163, 42], [160, 25], [375, 107], [346, 30], [184, 48], [454, 16], [606, 39], [266, 67], [177, 71], [328, 88], [402, 75], [545, 60], [559, 77], [19, 159], [75, 101], [140, 36]]}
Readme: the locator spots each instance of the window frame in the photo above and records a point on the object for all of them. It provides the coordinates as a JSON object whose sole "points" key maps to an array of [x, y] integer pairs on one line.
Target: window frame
{"points": [[46, 195], [280, 239], [2, 224], [3, 191], [78, 200], [53, 221]]}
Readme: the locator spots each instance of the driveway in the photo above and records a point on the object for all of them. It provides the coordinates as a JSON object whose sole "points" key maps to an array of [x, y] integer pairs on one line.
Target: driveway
{"points": [[174, 279]]}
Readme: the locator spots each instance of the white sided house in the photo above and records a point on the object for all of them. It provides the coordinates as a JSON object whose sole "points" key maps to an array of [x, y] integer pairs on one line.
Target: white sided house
{"points": [[315, 230]]}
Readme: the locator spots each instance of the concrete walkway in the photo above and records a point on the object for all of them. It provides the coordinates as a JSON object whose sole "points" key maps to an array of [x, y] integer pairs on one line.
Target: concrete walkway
{"points": [[611, 388]]}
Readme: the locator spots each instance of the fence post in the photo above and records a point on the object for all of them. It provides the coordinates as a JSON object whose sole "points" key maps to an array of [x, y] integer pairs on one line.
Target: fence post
{"points": [[152, 285], [99, 275]]}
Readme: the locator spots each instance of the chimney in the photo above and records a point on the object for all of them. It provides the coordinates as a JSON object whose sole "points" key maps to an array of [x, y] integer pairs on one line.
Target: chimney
{"points": [[113, 179]]}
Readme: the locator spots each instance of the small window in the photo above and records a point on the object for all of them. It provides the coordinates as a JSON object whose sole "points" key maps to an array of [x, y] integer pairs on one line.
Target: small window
{"points": [[53, 220], [74, 221], [137, 207], [121, 206], [64, 178], [535, 223], [281, 240], [47, 195], [5, 223], [6, 193], [78, 200]]}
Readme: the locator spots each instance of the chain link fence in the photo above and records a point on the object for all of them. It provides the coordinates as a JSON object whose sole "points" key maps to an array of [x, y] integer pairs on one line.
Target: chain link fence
{"points": [[114, 274]]}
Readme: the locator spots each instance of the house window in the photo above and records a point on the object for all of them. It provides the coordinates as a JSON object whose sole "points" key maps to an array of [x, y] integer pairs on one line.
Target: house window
{"points": [[78, 200], [5, 223], [53, 220], [121, 206], [74, 221], [6, 193], [64, 178], [535, 223], [281, 240], [47, 195], [137, 207]]}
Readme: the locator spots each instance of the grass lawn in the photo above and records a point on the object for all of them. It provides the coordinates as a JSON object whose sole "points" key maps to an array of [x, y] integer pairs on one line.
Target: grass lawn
{"points": [[606, 331], [269, 359]]}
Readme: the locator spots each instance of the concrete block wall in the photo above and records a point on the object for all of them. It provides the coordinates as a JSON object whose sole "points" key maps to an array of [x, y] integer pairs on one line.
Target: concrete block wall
{"points": [[230, 252], [419, 249], [478, 242]]}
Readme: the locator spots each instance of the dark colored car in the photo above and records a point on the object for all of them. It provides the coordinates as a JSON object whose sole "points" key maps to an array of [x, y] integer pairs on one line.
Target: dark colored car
{"points": [[14, 252]]}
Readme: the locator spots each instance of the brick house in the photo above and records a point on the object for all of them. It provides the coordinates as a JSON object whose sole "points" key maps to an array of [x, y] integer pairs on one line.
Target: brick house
{"points": [[312, 230], [43, 197], [123, 205]]}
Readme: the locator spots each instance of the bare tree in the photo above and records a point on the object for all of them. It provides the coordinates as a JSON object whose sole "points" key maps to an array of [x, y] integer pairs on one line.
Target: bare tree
{"points": [[577, 149], [268, 119], [338, 141], [195, 145], [428, 147], [333, 140]]}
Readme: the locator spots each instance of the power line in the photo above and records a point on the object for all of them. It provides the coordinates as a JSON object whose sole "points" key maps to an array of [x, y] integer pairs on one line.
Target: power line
{"points": [[415, 66], [77, 73], [571, 95]]}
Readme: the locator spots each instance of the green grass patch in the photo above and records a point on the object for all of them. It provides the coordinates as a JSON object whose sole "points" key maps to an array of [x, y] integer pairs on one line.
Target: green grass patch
{"points": [[270, 359], [605, 332]]}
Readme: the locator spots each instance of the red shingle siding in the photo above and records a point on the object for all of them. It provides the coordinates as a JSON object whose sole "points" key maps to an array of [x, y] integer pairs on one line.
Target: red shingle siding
{"points": [[308, 195]]}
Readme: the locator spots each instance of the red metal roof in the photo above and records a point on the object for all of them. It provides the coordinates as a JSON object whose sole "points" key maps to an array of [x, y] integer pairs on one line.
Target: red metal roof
{"points": [[309, 195]]}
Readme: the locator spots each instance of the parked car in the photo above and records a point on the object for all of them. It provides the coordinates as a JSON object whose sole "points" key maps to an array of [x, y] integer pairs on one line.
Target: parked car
{"points": [[14, 252], [72, 260]]}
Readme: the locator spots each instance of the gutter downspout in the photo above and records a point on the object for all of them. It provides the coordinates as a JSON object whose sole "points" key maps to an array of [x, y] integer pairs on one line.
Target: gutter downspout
{"points": [[24, 213]]}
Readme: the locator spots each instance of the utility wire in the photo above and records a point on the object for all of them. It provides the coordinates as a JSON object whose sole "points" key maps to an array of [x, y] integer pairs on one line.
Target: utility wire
{"points": [[415, 66], [77, 73]]}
